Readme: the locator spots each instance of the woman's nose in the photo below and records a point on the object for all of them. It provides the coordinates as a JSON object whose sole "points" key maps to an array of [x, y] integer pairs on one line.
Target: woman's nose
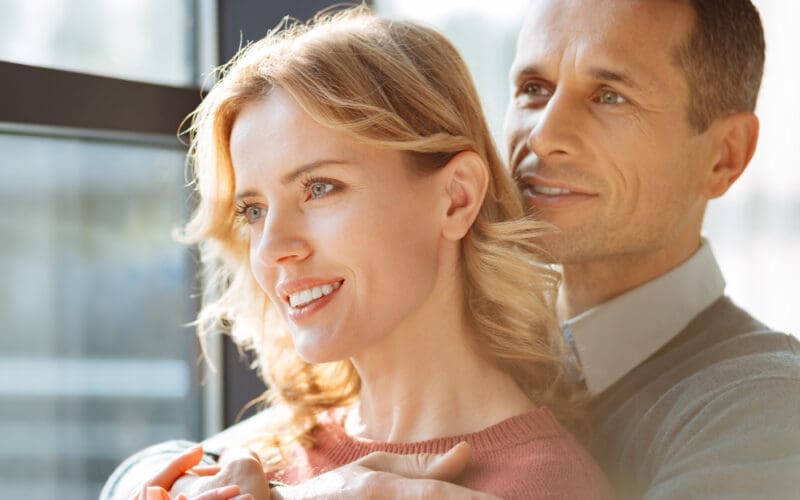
{"points": [[282, 241]]}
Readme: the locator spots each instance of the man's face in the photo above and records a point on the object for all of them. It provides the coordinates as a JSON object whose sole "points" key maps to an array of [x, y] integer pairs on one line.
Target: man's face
{"points": [[597, 127]]}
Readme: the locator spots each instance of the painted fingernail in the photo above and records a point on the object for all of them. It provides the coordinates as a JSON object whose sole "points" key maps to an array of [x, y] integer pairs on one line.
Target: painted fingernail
{"points": [[156, 493]]}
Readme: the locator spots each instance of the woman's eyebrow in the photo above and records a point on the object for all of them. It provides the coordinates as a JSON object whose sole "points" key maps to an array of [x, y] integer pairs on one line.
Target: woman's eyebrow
{"points": [[303, 169], [290, 177]]}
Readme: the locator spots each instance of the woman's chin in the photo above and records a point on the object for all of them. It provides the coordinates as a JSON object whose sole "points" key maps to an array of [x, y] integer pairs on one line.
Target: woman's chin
{"points": [[316, 352]]}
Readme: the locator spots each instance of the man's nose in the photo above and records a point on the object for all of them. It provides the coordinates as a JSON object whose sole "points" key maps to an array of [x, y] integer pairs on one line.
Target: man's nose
{"points": [[555, 131]]}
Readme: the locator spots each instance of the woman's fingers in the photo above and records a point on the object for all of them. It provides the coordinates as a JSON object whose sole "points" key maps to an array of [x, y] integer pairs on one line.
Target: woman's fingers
{"points": [[204, 470], [176, 468], [155, 493], [223, 493]]}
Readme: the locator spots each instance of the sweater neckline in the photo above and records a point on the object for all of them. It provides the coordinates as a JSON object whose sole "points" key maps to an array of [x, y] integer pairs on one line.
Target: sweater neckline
{"points": [[341, 447]]}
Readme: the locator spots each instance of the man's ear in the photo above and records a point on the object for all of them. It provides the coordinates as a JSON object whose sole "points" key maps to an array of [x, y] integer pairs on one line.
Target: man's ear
{"points": [[467, 178], [736, 136]]}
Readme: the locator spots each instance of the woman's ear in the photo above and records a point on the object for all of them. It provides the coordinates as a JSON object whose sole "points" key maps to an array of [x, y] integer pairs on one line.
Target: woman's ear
{"points": [[737, 136], [466, 180]]}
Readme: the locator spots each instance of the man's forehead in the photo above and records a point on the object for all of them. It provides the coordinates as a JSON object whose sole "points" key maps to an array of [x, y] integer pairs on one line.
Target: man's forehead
{"points": [[543, 12], [638, 34]]}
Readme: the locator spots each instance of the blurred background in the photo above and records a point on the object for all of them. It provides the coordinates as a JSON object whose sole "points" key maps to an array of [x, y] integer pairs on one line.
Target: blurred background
{"points": [[96, 360]]}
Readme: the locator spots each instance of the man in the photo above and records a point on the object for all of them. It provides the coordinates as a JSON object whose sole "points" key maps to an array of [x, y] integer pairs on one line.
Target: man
{"points": [[626, 118]]}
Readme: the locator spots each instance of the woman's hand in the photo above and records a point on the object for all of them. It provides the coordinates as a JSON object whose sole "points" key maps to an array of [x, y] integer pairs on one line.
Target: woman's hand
{"points": [[186, 463], [241, 467]]}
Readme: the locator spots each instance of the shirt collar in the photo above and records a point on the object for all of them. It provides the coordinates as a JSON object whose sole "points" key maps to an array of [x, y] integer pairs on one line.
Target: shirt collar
{"points": [[613, 338]]}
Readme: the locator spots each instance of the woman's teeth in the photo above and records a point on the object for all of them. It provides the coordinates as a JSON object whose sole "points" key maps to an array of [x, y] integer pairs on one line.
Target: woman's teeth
{"points": [[303, 297]]}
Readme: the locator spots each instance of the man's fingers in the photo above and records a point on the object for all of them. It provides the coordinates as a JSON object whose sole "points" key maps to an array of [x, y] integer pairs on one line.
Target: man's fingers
{"points": [[448, 466], [421, 466], [176, 468], [431, 488]]}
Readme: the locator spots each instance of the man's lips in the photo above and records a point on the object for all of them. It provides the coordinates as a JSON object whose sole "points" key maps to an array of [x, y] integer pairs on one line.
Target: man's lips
{"points": [[544, 192], [551, 186]]}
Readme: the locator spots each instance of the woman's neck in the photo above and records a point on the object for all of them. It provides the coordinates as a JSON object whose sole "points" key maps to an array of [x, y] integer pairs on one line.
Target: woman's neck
{"points": [[426, 381]]}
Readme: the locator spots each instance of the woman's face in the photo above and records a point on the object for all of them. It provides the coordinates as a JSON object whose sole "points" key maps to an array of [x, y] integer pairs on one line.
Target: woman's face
{"points": [[345, 238]]}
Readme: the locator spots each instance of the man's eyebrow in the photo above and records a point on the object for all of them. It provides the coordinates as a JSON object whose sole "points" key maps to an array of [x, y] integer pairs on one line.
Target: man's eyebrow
{"points": [[613, 76], [290, 177], [518, 74]]}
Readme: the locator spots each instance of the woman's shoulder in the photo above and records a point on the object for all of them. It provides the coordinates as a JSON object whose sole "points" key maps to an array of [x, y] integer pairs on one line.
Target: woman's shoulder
{"points": [[542, 459]]}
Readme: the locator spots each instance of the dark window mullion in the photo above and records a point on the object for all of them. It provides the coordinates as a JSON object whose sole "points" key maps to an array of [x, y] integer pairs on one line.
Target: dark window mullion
{"points": [[43, 96]]}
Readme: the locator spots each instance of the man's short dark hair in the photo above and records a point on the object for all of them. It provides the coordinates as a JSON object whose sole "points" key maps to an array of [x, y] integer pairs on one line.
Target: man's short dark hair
{"points": [[723, 59]]}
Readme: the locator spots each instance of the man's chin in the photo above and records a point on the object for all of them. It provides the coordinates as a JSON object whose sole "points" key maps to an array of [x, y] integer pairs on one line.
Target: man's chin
{"points": [[565, 248]]}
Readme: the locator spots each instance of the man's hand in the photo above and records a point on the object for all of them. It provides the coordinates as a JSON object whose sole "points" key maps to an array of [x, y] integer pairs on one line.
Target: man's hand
{"points": [[387, 475]]}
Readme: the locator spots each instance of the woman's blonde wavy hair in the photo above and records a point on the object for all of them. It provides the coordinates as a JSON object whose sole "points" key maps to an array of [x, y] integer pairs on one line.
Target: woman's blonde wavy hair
{"points": [[395, 85]]}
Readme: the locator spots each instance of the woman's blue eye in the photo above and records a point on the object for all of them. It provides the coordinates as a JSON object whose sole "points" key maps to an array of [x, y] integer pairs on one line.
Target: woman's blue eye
{"points": [[319, 189], [253, 213]]}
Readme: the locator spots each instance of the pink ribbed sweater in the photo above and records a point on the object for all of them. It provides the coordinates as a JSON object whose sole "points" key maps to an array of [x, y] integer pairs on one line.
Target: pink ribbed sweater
{"points": [[527, 456]]}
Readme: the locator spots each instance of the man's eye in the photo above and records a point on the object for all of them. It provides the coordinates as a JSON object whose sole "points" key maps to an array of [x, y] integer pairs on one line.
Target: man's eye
{"points": [[253, 213], [535, 90], [610, 97], [319, 189]]}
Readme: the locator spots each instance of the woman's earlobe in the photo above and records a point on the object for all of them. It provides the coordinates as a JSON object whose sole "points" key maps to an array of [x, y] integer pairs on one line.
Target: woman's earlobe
{"points": [[466, 186]]}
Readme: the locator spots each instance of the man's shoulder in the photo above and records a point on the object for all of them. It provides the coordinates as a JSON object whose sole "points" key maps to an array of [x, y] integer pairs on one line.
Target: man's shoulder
{"points": [[687, 379], [721, 347], [725, 347], [711, 421], [726, 390]]}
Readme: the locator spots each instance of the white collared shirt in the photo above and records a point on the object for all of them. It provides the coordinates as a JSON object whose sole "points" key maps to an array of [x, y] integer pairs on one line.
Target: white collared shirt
{"points": [[613, 338]]}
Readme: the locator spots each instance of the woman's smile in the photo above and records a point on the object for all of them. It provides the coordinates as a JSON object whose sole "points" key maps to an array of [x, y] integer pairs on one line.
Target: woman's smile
{"points": [[305, 296]]}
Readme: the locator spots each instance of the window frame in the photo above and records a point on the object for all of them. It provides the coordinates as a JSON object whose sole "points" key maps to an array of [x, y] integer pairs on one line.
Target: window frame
{"points": [[49, 101]]}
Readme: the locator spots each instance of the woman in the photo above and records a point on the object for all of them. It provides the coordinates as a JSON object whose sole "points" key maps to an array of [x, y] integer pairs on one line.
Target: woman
{"points": [[350, 193]]}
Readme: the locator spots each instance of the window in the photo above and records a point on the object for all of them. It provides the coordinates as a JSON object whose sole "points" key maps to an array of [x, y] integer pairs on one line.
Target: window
{"points": [[143, 40], [96, 360]]}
